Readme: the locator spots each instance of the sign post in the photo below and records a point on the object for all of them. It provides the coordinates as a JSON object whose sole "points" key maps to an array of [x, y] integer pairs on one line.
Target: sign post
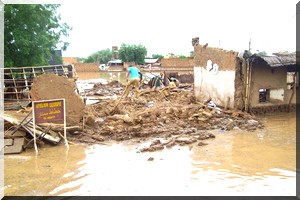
{"points": [[49, 111]]}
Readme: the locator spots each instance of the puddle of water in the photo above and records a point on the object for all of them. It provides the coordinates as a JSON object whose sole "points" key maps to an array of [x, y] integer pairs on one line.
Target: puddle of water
{"points": [[235, 163]]}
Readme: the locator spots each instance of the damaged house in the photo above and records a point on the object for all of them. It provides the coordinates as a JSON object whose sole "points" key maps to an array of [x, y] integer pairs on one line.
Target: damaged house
{"points": [[255, 84]]}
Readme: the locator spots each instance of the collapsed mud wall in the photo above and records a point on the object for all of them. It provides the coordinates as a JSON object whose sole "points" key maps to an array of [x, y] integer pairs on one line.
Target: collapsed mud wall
{"points": [[52, 86]]}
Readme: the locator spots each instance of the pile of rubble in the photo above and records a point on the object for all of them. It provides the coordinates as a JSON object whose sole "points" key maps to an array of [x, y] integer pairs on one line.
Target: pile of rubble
{"points": [[167, 117], [173, 115]]}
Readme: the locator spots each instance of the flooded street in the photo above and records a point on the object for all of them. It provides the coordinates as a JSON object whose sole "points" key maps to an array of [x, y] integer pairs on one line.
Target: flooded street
{"points": [[234, 163]]}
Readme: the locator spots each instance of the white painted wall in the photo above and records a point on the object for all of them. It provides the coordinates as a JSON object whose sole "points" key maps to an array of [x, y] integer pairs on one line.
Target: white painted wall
{"points": [[219, 86], [277, 94]]}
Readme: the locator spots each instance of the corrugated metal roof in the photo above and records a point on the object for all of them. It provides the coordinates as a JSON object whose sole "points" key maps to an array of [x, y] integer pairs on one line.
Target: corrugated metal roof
{"points": [[151, 60], [277, 60], [118, 61]]}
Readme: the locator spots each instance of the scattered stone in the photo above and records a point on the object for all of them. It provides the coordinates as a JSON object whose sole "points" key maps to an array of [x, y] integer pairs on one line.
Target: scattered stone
{"points": [[150, 159], [202, 144]]}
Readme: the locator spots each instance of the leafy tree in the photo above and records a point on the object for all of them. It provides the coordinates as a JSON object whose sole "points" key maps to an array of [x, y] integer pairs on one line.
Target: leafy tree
{"points": [[192, 54], [262, 53], [133, 53], [181, 56], [157, 56], [99, 57], [32, 33]]}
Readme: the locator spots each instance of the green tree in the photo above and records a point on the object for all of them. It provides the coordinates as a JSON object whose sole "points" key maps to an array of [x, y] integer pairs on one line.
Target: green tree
{"points": [[32, 34], [133, 53], [192, 54], [181, 56], [100, 57], [262, 53], [157, 56]]}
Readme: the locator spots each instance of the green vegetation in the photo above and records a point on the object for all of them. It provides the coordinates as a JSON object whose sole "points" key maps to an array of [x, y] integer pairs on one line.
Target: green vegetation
{"points": [[100, 57], [192, 54], [181, 56], [132, 53], [262, 53], [32, 33], [157, 56]]}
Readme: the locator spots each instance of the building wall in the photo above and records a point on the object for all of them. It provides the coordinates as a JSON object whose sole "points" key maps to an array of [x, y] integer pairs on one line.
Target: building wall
{"points": [[240, 84], [69, 60], [176, 62], [274, 79], [86, 67], [220, 86]]}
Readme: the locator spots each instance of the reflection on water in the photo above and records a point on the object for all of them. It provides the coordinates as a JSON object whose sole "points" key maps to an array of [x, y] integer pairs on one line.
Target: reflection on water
{"points": [[234, 163]]}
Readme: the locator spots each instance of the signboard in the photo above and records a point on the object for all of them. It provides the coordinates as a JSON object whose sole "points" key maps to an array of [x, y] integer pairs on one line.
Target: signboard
{"points": [[48, 111]]}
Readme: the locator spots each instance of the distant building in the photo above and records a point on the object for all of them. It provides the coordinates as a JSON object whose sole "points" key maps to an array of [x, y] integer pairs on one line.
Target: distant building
{"points": [[116, 62]]}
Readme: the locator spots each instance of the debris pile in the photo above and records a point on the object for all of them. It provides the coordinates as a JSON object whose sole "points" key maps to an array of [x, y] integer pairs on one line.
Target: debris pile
{"points": [[172, 114], [110, 89], [167, 117]]}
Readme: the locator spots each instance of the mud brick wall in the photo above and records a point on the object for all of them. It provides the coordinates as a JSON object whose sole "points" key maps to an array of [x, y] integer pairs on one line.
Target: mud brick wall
{"points": [[226, 60], [274, 108], [86, 67], [264, 77], [240, 84], [182, 78], [176, 62], [69, 60]]}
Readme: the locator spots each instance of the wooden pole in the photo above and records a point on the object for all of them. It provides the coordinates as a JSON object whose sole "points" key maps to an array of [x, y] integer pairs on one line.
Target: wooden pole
{"points": [[65, 125], [293, 91], [34, 130], [113, 110]]}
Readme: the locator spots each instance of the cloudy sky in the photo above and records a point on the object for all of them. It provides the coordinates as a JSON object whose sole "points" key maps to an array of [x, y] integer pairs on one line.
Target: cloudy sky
{"points": [[168, 26]]}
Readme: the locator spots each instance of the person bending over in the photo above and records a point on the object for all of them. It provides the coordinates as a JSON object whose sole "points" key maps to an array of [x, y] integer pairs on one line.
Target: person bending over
{"points": [[133, 79]]}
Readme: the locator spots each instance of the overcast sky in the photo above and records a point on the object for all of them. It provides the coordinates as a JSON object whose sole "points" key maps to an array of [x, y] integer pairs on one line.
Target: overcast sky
{"points": [[168, 26]]}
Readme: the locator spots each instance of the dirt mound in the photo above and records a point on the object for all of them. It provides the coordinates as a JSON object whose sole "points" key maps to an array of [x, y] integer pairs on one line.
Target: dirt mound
{"points": [[51, 86]]}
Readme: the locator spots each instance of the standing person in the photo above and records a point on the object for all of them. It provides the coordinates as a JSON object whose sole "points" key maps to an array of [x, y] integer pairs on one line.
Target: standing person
{"points": [[134, 78]]}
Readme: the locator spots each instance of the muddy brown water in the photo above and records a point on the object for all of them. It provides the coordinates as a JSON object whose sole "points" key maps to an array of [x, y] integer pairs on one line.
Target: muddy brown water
{"points": [[234, 163]]}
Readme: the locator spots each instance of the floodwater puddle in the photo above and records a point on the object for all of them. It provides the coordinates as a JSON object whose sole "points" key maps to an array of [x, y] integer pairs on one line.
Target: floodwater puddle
{"points": [[234, 163]]}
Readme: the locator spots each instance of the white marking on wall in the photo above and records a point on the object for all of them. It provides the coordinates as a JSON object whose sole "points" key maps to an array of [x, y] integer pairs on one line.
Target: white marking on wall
{"points": [[209, 65], [219, 86]]}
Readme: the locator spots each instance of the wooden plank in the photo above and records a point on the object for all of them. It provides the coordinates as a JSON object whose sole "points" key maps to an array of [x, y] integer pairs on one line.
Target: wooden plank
{"points": [[8, 142], [17, 146], [29, 128], [12, 134], [15, 85]]}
